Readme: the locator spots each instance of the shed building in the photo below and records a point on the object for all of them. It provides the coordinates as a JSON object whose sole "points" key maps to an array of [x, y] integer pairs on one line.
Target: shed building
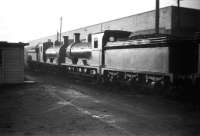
{"points": [[11, 62], [173, 21]]}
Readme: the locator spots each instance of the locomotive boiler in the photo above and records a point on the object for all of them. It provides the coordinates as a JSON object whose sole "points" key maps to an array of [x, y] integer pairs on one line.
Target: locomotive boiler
{"points": [[79, 51], [52, 55]]}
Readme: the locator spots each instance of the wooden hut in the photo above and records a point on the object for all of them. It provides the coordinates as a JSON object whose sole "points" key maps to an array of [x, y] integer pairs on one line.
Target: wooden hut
{"points": [[11, 62]]}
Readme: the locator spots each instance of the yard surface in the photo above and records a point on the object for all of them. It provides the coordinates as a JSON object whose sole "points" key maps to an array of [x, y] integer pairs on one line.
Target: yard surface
{"points": [[57, 106]]}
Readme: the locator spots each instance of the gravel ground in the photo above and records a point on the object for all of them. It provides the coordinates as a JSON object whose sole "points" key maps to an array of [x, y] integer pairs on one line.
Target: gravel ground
{"points": [[58, 106]]}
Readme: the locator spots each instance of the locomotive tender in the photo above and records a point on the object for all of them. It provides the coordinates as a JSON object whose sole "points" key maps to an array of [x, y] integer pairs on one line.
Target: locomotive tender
{"points": [[120, 55]]}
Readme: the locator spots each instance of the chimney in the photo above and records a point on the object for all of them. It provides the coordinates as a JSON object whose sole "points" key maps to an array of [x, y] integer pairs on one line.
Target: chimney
{"points": [[66, 41], [76, 37]]}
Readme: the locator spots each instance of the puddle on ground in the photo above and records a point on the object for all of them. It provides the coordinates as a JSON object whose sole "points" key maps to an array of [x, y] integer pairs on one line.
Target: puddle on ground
{"points": [[63, 103], [73, 93], [29, 82]]}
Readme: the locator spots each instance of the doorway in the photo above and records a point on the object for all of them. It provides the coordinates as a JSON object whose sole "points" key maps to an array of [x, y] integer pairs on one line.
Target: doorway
{"points": [[1, 66]]}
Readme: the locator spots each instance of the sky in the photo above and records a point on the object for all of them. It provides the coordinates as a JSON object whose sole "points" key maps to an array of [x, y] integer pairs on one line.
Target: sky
{"points": [[25, 20]]}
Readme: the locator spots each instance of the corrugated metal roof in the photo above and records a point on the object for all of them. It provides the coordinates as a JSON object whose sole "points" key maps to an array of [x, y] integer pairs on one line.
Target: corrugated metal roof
{"points": [[5, 44]]}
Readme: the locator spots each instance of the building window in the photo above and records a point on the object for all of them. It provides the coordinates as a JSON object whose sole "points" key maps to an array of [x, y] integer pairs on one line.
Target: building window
{"points": [[89, 37], [95, 43]]}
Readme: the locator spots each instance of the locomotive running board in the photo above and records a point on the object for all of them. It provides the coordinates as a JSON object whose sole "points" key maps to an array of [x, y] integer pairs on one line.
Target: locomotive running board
{"points": [[83, 66]]}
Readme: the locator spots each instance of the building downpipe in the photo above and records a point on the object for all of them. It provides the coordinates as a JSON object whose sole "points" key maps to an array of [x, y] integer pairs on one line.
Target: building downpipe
{"points": [[157, 16]]}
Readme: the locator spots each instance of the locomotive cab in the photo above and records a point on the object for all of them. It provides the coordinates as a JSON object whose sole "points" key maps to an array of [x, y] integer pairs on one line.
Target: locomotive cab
{"points": [[85, 53], [39, 52], [97, 41]]}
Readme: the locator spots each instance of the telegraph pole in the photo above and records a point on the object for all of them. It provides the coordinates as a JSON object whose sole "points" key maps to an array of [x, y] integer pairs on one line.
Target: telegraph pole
{"points": [[178, 3], [60, 28], [179, 15], [157, 16]]}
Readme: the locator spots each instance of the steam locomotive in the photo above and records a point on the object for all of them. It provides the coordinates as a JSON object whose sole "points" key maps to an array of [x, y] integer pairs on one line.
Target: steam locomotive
{"points": [[115, 55]]}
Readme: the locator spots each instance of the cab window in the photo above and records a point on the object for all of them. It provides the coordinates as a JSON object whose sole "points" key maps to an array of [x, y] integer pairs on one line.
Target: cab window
{"points": [[51, 60], [95, 43]]}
